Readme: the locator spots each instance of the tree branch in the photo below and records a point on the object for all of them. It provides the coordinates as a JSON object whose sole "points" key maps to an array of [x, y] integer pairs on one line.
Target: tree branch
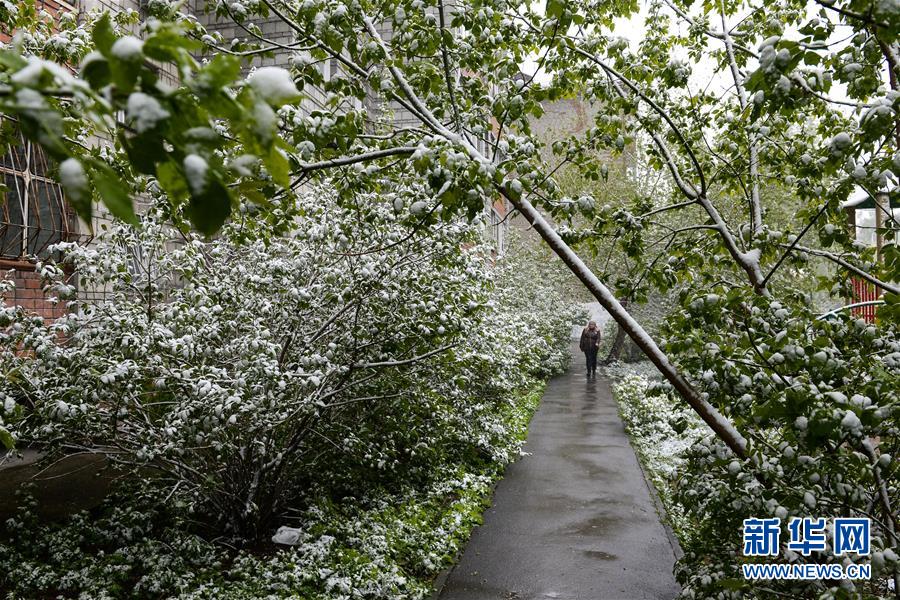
{"points": [[448, 76], [852, 268], [720, 425], [796, 241], [755, 206], [407, 361], [656, 108], [350, 160]]}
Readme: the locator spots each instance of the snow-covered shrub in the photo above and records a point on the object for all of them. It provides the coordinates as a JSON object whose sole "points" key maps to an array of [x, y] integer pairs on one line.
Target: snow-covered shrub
{"points": [[533, 304], [258, 381], [816, 397], [231, 368], [140, 546], [661, 431], [818, 401], [252, 370], [665, 429]]}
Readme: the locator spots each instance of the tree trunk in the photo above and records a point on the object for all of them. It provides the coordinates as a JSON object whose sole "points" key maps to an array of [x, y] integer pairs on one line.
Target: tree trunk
{"points": [[616, 350]]}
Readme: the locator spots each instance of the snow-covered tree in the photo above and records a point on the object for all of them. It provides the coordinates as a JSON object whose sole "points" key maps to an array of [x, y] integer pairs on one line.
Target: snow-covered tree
{"points": [[724, 97]]}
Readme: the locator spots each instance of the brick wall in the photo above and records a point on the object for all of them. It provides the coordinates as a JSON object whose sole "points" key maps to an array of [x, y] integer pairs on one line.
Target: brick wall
{"points": [[28, 292], [51, 6]]}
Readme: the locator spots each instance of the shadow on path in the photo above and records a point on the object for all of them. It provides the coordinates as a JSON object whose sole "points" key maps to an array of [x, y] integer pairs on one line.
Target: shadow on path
{"points": [[573, 520]]}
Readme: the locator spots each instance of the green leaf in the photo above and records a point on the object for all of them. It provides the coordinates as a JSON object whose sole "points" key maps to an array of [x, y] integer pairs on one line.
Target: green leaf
{"points": [[732, 584], [890, 312], [756, 79], [145, 151], [555, 8], [219, 72], [278, 166], [172, 181], [209, 211], [103, 35], [124, 73], [113, 192], [13, 61], [7, 439], [96, 73], [170, 43]]}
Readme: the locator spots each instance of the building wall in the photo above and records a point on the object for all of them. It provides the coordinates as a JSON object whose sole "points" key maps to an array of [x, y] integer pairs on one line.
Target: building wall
{"points": [[272, 29], [51, 6], [28, 292], [24, 171], [573, 117]]}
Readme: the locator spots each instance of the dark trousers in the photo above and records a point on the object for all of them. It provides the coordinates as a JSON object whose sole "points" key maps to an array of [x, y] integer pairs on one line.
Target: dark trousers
{"points": [[591, 358]]}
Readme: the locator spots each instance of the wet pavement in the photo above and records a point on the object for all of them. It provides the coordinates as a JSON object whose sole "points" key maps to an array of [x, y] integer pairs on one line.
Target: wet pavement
{"points": [[573, 520]]}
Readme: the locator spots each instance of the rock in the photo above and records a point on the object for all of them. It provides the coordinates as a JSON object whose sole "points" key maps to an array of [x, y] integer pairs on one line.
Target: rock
{"points": [[287, 536]]}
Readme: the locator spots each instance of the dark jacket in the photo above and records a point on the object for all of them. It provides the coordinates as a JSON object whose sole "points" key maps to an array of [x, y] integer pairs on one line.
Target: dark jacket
{"points": [[589, 340]]}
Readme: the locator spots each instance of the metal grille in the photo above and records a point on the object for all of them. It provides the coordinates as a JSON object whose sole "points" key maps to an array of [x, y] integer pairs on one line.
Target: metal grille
{"points": [[33, 213]]}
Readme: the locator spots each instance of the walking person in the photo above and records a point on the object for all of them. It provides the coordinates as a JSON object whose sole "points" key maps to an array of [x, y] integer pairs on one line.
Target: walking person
{"points": [[590, 345]]}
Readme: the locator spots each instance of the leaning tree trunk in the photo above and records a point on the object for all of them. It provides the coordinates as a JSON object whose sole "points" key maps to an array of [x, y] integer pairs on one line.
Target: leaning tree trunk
{"points": [[616, 350], [722, 427]]}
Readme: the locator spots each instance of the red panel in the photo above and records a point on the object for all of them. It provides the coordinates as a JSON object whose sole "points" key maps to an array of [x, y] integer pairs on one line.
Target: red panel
{"points": [[863, 291]]}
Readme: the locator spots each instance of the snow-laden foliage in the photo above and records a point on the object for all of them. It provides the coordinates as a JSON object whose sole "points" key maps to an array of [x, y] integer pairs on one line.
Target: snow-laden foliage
{"points": [[723, 99], [817, 397], [818, 400], [212, 363], [665, 431], [661, 432], [236, 369], [139, 546]]}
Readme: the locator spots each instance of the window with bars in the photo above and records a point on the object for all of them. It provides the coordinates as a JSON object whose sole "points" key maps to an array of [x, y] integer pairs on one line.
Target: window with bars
{"points": [[33, 213]]}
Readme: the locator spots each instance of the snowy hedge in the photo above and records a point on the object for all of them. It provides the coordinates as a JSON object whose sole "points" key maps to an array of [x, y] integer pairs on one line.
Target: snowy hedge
{"points": [[360, 362]]}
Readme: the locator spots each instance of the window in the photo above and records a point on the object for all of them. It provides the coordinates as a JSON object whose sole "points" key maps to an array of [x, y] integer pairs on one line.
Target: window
{"points": [[33, 213], [865, 226]]}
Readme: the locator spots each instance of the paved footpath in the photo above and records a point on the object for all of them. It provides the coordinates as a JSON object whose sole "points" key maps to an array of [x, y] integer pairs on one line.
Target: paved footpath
{"points": [[573, 520]]}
